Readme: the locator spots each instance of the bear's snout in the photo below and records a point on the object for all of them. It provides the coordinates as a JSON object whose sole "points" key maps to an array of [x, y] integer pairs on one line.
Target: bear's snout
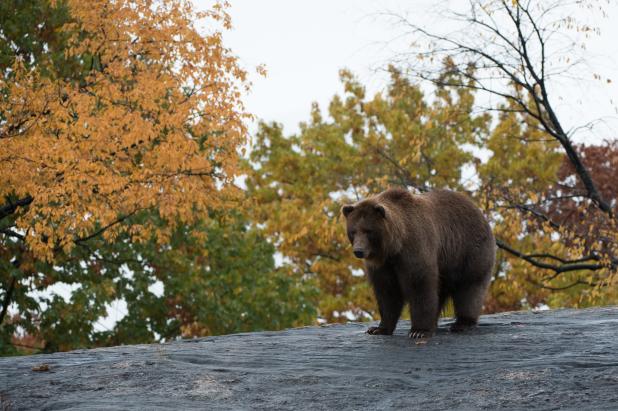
{"points": [[359, 253]]}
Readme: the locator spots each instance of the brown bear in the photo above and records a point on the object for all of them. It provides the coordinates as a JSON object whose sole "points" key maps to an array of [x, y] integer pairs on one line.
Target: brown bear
{"points": [[422, 249]]}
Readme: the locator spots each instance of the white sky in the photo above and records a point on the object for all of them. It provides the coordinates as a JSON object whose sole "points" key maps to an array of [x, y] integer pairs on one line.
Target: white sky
{"points": [[305, 43]]}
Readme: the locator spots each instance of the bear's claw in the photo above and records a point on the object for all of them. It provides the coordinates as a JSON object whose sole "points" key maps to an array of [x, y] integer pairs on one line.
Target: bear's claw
{"points": [[419, 334], [377, 331]]}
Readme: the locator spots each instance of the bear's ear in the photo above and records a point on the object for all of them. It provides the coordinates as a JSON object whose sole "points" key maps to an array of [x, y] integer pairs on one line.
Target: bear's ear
{"points": [[347, 209], [380, 209]]}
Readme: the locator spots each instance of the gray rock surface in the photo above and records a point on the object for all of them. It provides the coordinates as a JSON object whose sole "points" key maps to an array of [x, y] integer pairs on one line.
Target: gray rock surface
{"points": [[564, 359]]}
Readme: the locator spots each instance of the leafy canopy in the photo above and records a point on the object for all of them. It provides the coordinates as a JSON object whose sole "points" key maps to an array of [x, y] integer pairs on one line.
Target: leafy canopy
{"points": [[120, 126], [149, 116]]}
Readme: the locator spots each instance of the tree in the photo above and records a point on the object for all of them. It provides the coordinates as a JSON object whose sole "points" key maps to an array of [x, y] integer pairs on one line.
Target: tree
{"points": [[220, 281], [156, 115], [516, 50], [109, 111]]}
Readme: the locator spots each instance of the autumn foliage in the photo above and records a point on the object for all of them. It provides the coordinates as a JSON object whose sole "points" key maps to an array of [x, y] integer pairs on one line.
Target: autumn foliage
{"points": [[121, 127], [149, 117]]}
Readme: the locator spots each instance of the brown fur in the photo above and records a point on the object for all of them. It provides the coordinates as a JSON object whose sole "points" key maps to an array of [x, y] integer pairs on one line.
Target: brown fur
{"points": [[423, 249]]}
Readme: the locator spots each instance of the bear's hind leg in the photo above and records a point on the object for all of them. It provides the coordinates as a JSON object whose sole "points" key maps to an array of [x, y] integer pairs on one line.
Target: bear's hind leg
{"points": [[468, 302]]}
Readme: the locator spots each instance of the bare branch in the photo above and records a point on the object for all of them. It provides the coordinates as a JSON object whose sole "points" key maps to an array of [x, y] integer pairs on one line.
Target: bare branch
{"points": [[515, 64], [566, 287], [10, 233], [556, 268], [405, 176]]}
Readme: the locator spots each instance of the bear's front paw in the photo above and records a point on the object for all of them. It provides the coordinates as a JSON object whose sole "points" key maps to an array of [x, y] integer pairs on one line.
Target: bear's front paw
{"points": [[378, 331], [420, 334]]}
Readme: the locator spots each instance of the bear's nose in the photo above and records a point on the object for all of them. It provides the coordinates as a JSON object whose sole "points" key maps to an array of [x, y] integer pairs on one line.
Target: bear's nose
{"points": [[359, 253]]}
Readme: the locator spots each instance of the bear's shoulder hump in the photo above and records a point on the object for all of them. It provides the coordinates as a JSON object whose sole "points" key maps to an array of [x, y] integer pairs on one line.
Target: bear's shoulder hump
{"points": [[396, 195]]}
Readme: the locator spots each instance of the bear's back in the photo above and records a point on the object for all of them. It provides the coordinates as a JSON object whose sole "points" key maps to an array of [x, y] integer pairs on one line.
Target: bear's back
{"points": [[447, 222], [463, 231], [456, 210]]}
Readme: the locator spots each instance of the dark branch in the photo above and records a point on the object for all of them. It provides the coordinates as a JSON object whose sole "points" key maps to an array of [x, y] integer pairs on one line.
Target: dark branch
{"points": [[8, 296], [102, 229], [12, 206], [536, 213], [566, 287], [564, 260], [558, 269], [405, 176], [530, 76], [10, 233]]}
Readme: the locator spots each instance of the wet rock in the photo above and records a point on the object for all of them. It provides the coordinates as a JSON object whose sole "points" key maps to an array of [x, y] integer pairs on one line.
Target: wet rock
{"points": [[563, 359]]}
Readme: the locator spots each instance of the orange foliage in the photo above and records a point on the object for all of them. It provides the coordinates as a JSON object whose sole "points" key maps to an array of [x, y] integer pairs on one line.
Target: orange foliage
{"points": [[155, 121]]}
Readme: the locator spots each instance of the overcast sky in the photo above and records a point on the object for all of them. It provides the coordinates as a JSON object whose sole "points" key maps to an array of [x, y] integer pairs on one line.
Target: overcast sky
{"points": [[305, 43]]}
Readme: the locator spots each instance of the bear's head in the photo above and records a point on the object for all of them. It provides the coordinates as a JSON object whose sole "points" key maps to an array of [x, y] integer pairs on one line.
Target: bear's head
{"points": [[366, 228]]}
